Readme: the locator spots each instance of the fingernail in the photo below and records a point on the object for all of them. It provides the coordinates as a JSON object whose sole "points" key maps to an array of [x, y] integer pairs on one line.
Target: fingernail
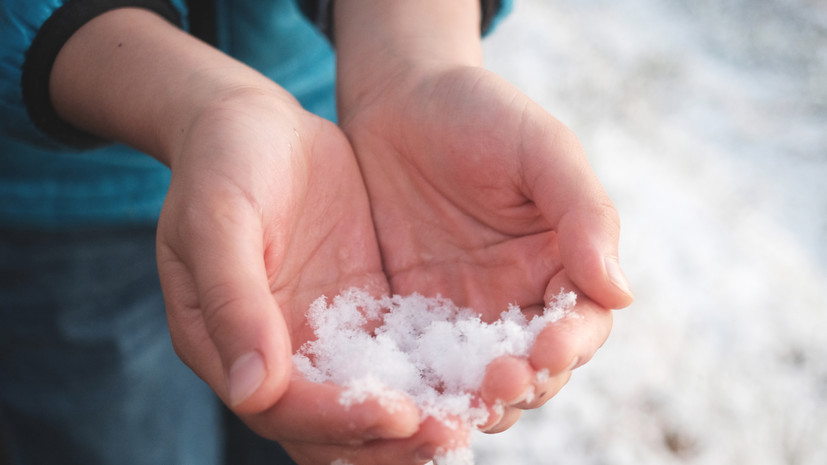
{"points": [[575, 363], [616, 275], [246, 375], [495, 414]]}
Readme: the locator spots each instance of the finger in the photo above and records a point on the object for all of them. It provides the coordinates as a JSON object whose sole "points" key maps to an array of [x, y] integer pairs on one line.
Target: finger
{"points": [[508, 418], [321, 413], [588, 241], [512, 382], [544, 388], [507, 380], [224, 250], [564, 187], [437, 439], [434, 438], [571, 341]]}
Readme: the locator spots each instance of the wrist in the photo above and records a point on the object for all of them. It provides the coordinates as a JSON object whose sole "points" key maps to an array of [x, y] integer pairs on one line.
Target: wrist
{"points": [[379, 41], [213, 104]]}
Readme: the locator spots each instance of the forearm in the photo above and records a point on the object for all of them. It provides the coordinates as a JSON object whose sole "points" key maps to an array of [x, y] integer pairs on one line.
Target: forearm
{"points": [[130, 76], [378, 39]]}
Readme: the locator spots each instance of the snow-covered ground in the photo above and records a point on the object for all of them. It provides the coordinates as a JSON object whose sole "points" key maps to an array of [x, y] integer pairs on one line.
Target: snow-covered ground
{"points": [[707, 122]]}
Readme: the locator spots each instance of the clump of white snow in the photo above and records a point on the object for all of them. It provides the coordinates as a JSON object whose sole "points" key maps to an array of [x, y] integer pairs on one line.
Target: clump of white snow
{"points": [[428, 349]]}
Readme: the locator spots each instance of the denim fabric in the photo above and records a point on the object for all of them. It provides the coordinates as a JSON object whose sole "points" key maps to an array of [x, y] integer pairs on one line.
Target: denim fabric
{"points": [[87, 372]]}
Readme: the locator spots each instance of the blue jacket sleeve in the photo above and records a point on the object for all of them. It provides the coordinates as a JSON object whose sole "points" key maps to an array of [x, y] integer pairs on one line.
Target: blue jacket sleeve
{"points": [[32, 33]]}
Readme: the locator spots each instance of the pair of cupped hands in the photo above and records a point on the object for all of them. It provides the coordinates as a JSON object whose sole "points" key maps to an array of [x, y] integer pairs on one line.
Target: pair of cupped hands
{"points": [[441, 178], [442, 181]]}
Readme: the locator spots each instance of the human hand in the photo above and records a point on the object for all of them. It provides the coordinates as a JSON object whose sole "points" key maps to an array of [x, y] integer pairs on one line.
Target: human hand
{"points": [[478, 194], [265, 212]]}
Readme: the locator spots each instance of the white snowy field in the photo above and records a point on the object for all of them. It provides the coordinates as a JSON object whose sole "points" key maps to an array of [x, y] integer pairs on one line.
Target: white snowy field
{"points": [[707, 122]]}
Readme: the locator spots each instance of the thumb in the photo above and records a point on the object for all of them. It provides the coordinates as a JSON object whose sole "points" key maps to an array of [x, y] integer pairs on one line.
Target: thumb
{"points": [[248, 359], [588, 241], [571, 198]]}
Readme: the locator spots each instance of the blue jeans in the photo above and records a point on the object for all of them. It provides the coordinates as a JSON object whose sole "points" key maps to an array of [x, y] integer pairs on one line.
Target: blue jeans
{"points": [[87, 372]]}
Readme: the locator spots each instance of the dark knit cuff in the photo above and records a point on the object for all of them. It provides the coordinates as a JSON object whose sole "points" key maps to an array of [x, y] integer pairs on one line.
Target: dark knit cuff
{"points": [[40, 58], [320, 13], [489, 10]]}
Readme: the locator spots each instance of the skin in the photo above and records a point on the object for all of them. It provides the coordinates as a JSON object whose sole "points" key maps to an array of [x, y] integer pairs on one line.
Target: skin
{"points": [[265, 212], [477, 193], [458, 185]]}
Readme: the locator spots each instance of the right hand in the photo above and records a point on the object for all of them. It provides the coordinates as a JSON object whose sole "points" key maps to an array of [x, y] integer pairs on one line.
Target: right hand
{"points": [[266, 212]]}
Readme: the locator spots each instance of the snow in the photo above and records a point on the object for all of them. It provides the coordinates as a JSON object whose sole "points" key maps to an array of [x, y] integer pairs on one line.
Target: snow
{"points": [[425, 348], [707, 123]]}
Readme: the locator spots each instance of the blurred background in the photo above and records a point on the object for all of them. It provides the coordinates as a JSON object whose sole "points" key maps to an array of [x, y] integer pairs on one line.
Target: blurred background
{"points": [[707, 123]]}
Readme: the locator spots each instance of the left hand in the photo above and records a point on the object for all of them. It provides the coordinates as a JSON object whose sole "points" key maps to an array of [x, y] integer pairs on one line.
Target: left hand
{"points": [[478, 194], [266, 212]]}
